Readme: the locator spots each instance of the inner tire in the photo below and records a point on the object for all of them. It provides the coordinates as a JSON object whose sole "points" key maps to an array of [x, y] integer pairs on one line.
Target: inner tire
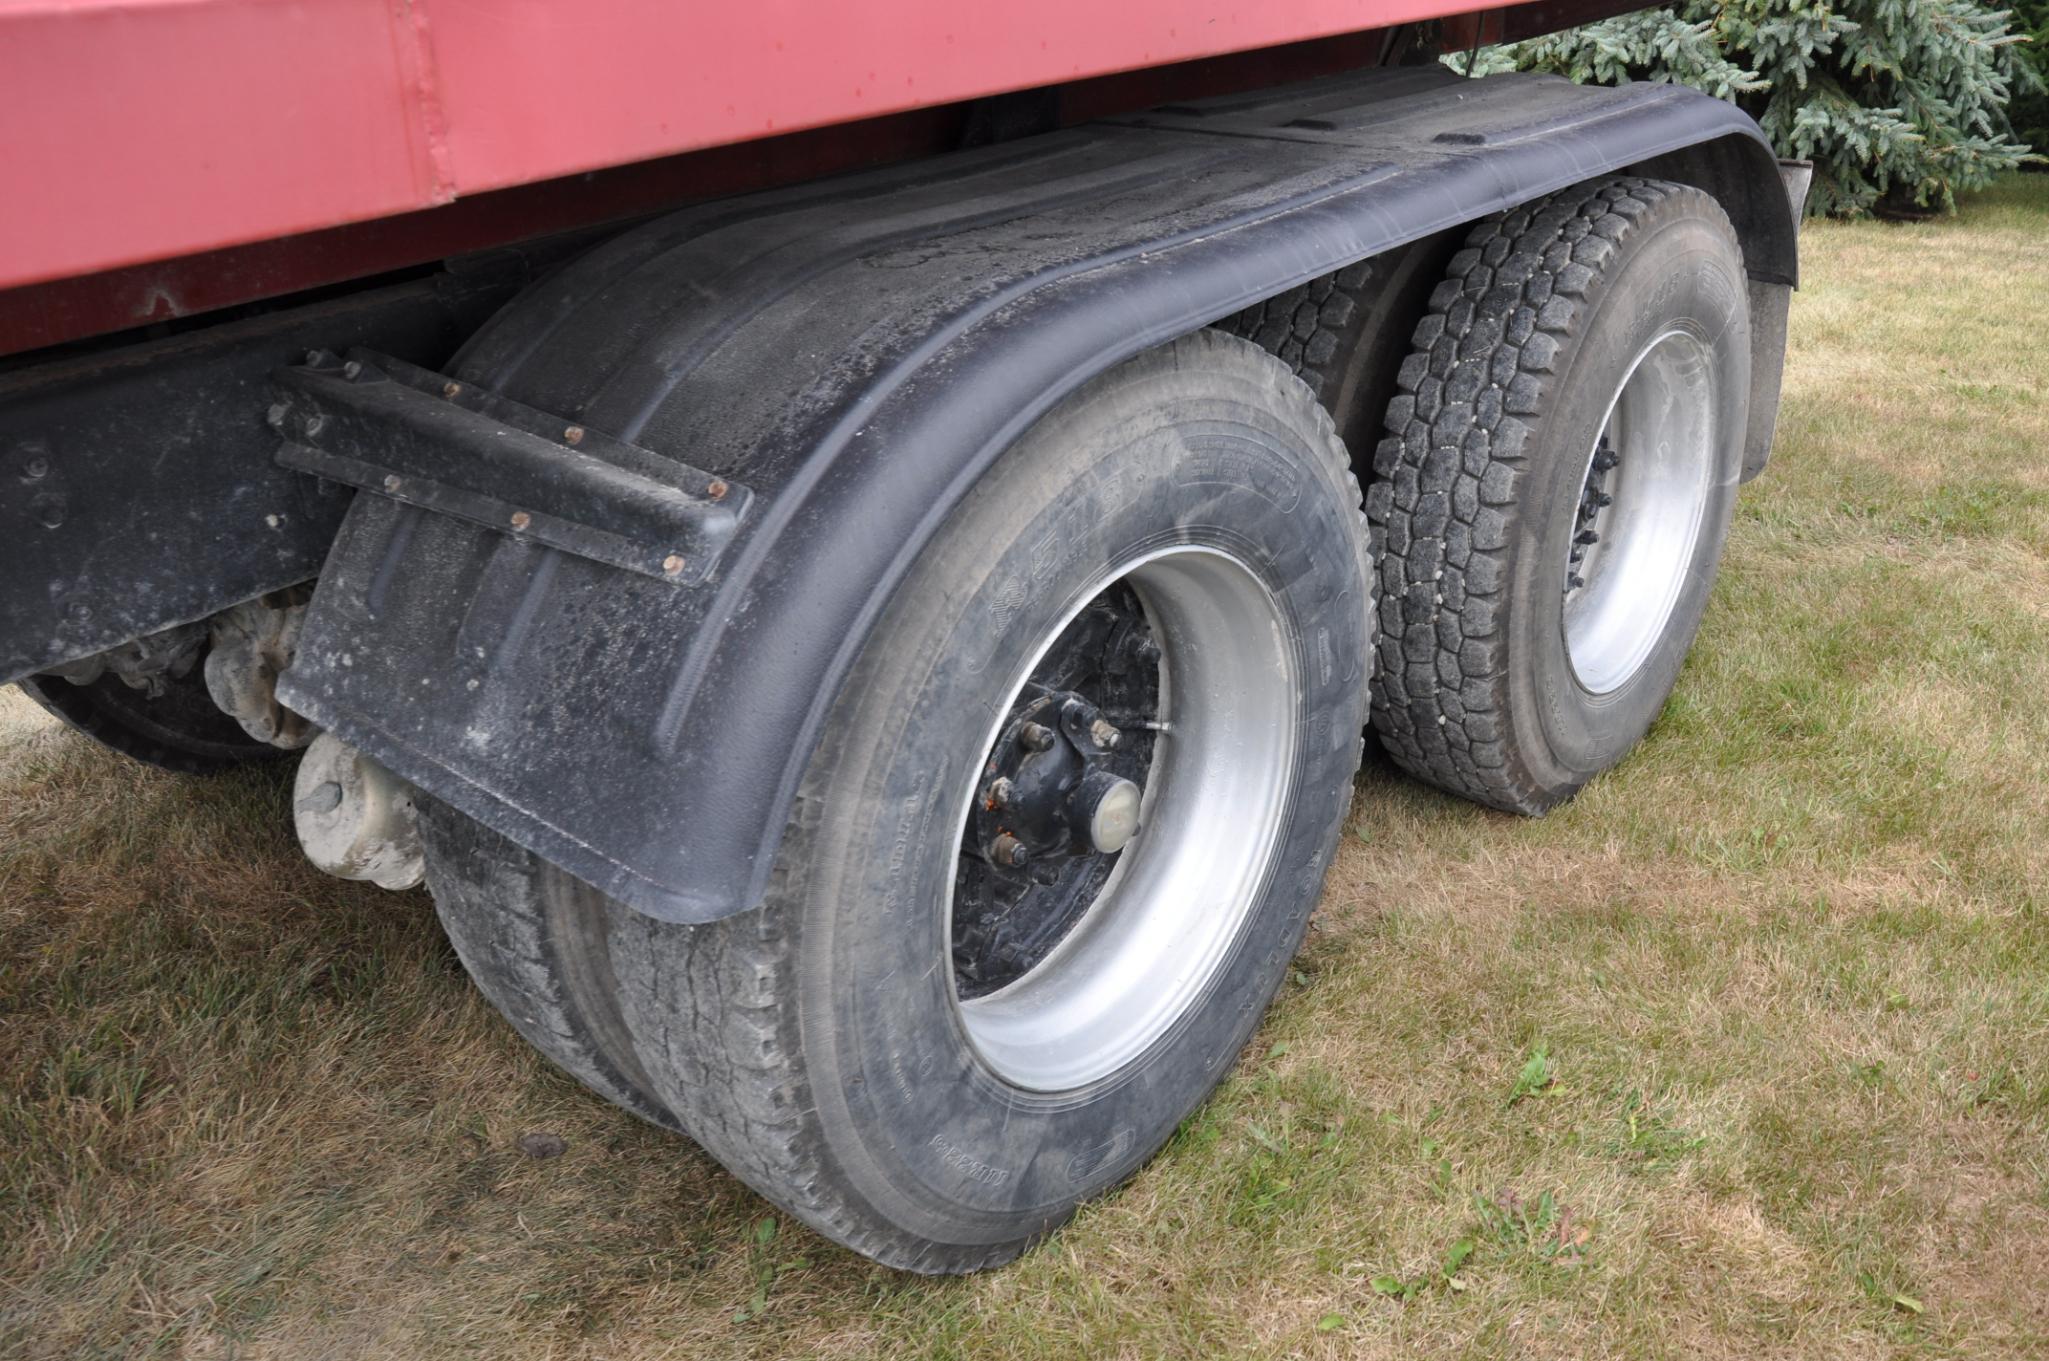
{"points": [[1345, 334], [1555, 488], [824, 1046]]}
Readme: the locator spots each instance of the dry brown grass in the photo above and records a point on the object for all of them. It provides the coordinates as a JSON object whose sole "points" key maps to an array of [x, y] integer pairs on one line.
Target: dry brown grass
{"points": [[1788, 966]]}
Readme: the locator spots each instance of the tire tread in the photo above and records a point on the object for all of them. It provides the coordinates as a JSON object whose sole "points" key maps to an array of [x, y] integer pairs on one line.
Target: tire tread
{"points": [[1445, 500]]}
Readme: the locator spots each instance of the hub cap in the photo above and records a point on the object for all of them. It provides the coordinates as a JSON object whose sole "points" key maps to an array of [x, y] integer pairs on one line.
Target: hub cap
{"points": [[1641, 503], [1124, 820]]}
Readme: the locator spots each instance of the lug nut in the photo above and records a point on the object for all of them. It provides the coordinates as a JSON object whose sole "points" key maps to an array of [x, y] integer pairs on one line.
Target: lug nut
{"points": [[999, 794], [1104, 735], [1035, 737], [1009, 852]]}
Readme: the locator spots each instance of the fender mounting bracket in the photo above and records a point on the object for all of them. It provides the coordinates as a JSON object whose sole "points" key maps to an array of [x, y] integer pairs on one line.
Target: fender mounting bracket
{"points": [[424, 439]]}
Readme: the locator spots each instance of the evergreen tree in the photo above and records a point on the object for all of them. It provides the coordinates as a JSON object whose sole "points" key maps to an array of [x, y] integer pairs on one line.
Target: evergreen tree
{"points": [[1899, 103], [2030, 108]]}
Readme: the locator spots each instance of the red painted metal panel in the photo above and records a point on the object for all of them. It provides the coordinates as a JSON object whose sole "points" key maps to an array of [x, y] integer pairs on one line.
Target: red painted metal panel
{"points": [[150, 128], [137, 130]]}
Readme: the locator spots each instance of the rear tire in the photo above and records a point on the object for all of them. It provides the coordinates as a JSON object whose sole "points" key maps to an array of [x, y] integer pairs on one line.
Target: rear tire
{"points": [[898, 1076], [180, 729], [1345, 334], [1556, 486]]}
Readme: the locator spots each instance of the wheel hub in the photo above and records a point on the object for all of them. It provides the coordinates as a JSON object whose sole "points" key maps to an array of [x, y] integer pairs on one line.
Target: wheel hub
{"points": [[1150, 745], [1059, 795], [1646, 486], [1057, 787], [1594, 501]]}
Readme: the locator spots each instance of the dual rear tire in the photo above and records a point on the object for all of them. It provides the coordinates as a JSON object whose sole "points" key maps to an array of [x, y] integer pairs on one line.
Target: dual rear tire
{"points": [[1074, 805], [919, 1044], [1555, 487]]}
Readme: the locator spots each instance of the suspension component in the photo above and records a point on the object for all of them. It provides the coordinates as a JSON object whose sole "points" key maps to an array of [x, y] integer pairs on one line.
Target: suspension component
{"points": [[355, 819], [252, 645]]}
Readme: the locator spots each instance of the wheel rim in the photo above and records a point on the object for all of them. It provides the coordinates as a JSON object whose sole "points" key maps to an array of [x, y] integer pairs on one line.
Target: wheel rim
{"points": [[1158, 917], [1642, 499]]}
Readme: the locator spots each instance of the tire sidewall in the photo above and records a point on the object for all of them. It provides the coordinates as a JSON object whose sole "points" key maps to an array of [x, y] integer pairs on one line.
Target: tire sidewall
{"points": [[1683, 273], [1155, 454]]}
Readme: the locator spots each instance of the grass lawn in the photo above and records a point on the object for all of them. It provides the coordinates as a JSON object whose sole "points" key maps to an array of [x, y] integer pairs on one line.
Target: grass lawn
{"points": [[1743, 1054]]}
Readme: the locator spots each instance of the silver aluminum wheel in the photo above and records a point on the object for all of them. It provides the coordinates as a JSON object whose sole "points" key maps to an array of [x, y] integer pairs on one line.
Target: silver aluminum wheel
{"points": [[1643, 497], [1147, 947]]}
